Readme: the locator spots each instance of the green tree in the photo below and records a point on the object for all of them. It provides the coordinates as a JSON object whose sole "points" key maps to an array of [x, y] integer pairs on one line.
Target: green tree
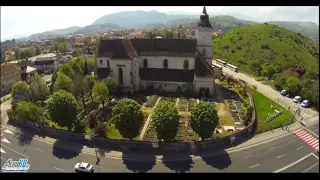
{"points": [[38, 50], [39, 89], [79, 88], [29, 112], [204, 119], [63, 108], [293, 84], [67, 70], [75, 65], [53, 81], [63, 82], [111, 85], [166, 121], [22, 54], [17, 53], [279, 81], [89, 82], [268, 71], [128, 118], [100, 93], [20, 91], [91, 64]]}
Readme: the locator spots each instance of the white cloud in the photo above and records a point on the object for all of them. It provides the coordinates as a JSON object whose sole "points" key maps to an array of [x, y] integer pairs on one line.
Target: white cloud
{"points": [[23, 21]]}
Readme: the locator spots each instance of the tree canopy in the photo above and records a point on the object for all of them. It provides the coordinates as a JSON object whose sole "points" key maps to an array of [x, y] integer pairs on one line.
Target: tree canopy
{"points": [[204, 119], [100, 92], [27, 111], [128, 118], [39, 89], [21, 91], [63, 82], [110, 83], [166, 121], [63, 108], [67, 70]]}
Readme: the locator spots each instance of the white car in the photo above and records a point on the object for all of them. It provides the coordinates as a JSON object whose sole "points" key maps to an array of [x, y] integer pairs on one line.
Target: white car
{"points": [[297, 99], [84, 167], [306, 103]]}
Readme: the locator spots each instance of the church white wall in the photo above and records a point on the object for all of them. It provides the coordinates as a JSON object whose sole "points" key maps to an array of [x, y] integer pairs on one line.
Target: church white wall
{"points": [[206, 82], [173, 62], [135, 71], [125, 64], [167, 86], [101, 62]]}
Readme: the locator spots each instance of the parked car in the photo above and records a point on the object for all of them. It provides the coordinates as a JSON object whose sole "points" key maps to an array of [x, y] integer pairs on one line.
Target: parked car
{"points": [[284, 92], [84, 167], [297, 99], [305, 103]]}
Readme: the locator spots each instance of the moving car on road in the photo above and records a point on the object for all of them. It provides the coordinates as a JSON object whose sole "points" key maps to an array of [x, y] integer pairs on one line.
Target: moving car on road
{"points": [[84, 167], [305, 103], [297, 99]]}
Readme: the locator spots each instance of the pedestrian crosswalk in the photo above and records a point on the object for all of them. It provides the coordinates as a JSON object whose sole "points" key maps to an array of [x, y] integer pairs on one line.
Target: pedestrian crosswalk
{"points": [[308, 138]]}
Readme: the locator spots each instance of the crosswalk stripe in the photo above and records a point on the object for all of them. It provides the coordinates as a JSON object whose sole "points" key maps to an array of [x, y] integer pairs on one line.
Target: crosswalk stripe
{"points": [[308, 139], [312, 141], [2, 151], [301, 133], [305, 136], [296, 131], [316, 145]]}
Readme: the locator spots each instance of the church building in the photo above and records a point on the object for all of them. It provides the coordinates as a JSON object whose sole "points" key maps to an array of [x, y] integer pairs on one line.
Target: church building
{"points": [[169, 65]]}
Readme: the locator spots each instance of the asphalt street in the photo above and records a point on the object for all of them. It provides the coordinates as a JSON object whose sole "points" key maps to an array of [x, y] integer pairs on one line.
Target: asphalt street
{"points": [[314, 128], [268, 157], [309, 116]]}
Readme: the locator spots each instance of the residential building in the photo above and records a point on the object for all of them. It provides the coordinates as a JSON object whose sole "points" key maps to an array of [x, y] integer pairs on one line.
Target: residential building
{"points": [[46, 64], [28, 73], [10, 74], [168, 65]]}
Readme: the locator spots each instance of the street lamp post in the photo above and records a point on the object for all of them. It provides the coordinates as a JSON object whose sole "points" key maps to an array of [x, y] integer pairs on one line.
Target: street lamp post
{"points": [[92, 135]]}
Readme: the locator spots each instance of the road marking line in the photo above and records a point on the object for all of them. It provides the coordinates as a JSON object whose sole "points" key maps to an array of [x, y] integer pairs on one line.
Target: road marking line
{"points": [[315, 156], [280, 156], [254, 166], [296, 162], [1, 134], [8, 131], [271, 148], [15, 151], [311, 144], [297, 130], [4, 159], [315, 145], [5, 140], [310, 167], [311, 132], [39, 149], [2, 151], [246, 156], [299, 147], [58, 169]]}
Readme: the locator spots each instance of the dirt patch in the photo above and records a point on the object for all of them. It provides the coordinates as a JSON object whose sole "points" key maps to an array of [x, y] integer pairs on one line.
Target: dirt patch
{"points": [[225, 118], [222, 109]]}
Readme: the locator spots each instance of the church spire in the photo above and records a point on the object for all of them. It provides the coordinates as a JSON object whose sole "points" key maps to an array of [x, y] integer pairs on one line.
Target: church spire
{"points": [[204, 11]]}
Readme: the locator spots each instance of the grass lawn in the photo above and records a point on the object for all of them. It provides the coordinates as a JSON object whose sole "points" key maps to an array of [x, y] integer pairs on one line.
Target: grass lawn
{"points": [[112, 132], [5, 99], [263, 107]]}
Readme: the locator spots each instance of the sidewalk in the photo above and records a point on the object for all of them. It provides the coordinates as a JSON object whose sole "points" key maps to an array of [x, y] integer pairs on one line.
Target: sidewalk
{"points": [[256, 140]]}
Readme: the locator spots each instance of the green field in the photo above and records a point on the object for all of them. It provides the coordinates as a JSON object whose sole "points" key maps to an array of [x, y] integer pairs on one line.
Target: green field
{"points": [[263, 107]]}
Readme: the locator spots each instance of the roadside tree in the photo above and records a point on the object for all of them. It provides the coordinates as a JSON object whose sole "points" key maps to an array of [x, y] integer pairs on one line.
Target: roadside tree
{"points": [[20, 91], [89, 82], [63, 82], [63, 108], [293, 84], [39, 89], [128, 118], [111, 85], [204, 119], [166, 121], [100, 93], [29, 112]]}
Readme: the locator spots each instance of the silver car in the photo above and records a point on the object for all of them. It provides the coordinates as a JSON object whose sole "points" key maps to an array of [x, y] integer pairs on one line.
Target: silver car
{"points": [[84, 167]]}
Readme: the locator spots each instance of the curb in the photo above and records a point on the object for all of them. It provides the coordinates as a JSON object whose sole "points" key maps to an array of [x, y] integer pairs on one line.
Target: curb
{"points": [[157, 158]]}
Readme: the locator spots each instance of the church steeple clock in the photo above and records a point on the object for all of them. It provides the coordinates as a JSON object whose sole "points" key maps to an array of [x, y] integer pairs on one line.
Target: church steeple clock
{"points": [[204, 36]]}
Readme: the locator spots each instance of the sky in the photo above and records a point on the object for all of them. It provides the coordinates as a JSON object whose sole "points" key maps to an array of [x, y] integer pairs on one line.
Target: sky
{"points": [[22, 21]]}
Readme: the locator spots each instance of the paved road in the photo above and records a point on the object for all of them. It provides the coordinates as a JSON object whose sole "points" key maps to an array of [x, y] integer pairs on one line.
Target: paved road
{"points": [[268, 157], [310, 116]]}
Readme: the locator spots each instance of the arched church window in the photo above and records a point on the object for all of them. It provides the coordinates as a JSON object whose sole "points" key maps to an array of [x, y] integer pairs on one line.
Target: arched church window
{"points": [[204, 51], [145, 63], [120, 75], [186, 64], [101, 61], [165, 63], [108, 63]]}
